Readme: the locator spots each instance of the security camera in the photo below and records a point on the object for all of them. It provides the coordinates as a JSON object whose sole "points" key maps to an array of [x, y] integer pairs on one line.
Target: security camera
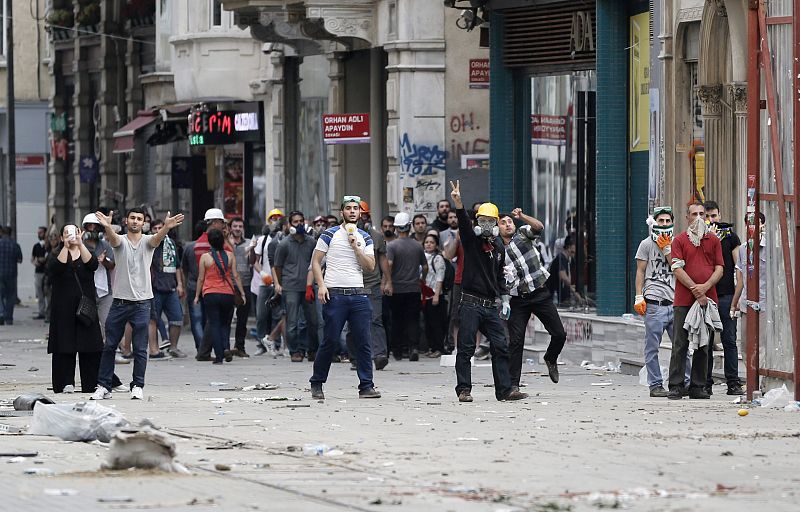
{"points": [[466, 19]]}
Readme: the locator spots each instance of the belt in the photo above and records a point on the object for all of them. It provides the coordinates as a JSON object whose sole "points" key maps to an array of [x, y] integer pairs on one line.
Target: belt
{"points": [[478, 301], [526, 295], [349, 291], [126, 301], [659, 302]]}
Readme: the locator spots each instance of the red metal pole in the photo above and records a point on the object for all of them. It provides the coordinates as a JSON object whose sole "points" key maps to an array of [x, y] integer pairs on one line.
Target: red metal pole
{"points": [[753, 157], [795, 152]]}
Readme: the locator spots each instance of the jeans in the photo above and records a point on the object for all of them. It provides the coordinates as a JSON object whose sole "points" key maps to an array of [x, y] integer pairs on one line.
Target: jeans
{"points": [[730, 352], [242, 314], [357, 311], [680, 350], [195, 317], [405, 322], [657, 319], [121, 313], [41, 297], [219, 312], [267, 317], [539, 303], [8, 298], [476, 318], [377, 331], [169, 303], [295, 301]]}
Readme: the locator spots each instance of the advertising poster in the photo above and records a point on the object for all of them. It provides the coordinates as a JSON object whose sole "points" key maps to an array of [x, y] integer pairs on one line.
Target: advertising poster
{"points": [[639, 82], [234, 185]]}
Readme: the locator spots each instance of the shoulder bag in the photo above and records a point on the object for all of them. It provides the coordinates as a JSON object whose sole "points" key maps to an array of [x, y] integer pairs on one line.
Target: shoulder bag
{"points": [[87, 311], [238, 299]]}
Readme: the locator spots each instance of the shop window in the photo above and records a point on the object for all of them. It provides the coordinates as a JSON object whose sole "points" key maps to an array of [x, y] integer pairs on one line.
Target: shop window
{"points": [[216, 13], [563, 169]]}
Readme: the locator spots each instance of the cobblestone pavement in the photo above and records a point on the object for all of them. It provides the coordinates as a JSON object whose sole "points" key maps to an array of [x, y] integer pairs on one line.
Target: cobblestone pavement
{"points": [[594, 440]]}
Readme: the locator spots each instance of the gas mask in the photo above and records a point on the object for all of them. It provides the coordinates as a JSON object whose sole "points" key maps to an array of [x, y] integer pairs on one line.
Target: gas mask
{"points": [[486, 228], [667, 230], [91, 235], [300, 229]]}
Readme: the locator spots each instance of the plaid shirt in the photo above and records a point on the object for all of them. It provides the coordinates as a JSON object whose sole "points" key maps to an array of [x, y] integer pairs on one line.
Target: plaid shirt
{"points": [[529, 272], [10, 257]]}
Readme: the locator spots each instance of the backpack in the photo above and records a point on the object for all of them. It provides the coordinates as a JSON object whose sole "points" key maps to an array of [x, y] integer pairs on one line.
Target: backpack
{"points": [[449, 273]]}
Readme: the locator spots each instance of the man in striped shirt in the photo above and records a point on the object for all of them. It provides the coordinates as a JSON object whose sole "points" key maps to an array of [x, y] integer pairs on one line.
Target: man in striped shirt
{"points": [[527, 275]]}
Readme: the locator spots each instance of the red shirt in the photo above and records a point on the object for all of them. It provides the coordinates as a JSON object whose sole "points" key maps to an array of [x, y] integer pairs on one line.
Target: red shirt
{"points": [[460, 263], [700, 264]]}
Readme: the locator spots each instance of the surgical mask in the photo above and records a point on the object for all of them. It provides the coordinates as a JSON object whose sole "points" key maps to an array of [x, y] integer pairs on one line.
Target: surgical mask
{"points": [[300, 229], [667, 230], [486, 228], [146, 227]]}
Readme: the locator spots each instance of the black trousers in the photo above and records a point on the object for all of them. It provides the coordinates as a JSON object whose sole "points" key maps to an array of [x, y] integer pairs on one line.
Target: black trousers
{"points": [[680, 347], [64, 370], [242, 314], [539, 303], [405, 322], [435, 324]]}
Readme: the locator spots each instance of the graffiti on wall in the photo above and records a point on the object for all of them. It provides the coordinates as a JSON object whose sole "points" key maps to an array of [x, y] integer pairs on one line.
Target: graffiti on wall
{"points": [[466, 139], [579, 332], [420, 159]]}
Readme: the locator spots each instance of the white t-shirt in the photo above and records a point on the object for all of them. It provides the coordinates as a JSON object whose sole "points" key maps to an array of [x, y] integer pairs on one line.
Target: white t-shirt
{"points": [[342, 268], [132, 276], [255, 281]]}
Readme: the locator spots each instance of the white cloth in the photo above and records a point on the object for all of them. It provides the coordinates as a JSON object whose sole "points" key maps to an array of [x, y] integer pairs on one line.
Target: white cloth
{"points": [[342, 268], [699, 323], [255, 281]]}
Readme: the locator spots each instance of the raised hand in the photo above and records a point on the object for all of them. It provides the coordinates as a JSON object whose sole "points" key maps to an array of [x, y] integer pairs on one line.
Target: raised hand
{"points": [[105, 220], [516, 213], [456, 194], [173, 222]]}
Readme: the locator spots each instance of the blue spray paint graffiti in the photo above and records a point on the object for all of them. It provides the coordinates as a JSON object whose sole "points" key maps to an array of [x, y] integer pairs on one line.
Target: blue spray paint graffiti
{"points": [[420, 160]]}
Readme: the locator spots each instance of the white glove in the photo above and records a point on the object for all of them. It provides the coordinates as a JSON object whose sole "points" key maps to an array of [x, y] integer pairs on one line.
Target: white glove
{"points": [[505, 311]]}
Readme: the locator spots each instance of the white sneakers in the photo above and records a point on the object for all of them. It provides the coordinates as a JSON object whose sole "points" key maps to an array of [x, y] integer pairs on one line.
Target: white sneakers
{"points": [[69, 388], [137, 393], [100, 393], [122, 388]]}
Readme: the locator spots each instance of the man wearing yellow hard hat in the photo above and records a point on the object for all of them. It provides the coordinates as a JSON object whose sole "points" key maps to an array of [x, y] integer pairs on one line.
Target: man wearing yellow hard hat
{"points": [[482, 284]]}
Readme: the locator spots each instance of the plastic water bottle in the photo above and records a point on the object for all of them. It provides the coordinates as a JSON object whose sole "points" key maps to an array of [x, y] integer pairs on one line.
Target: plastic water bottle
{"points": [[315, 449]]}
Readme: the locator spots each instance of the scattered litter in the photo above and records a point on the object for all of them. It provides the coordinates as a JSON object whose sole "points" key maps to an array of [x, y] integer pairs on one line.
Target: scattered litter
{"points": [[115, 499], [792, 407], [602, 383], [467, 439], [9, 429], [778, 397], [214, 384], [39, 471], [14, 460], [61, 492], [739, 400], [608, 367], [387, 464], [33, 369], [433, 403], [260, 387], [316, 449], [295, 406], [144, 448], [222, 467], [26, 401], [727, 453], [83, 421]]}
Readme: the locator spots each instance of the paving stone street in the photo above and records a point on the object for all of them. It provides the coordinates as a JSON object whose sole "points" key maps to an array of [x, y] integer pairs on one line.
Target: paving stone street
{"points": [[595, 440]]}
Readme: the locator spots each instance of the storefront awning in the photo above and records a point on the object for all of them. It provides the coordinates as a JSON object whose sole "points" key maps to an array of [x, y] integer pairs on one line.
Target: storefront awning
{"points": [[124, 137]]}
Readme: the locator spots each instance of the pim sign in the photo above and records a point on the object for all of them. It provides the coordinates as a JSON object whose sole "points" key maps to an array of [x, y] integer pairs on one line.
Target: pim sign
{"points": [[208, 127]]}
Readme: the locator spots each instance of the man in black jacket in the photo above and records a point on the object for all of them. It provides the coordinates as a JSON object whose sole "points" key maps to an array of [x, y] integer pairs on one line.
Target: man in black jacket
{"points": [[483, 282]]}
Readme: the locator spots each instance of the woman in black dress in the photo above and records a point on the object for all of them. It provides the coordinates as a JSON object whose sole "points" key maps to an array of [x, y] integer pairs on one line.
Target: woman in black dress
{"points": [[68, 335]]}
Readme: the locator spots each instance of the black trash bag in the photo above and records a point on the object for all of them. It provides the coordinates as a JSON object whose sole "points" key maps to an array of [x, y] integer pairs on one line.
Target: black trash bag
{"points": [[27, 401]]}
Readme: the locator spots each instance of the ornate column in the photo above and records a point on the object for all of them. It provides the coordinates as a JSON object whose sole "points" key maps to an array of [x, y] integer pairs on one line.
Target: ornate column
{"points": [[711, 98], [336, 152], [738, 97]]}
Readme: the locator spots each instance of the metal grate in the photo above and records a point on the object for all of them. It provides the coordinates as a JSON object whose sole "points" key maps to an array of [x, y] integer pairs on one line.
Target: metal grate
{"points": [[541, 36]]}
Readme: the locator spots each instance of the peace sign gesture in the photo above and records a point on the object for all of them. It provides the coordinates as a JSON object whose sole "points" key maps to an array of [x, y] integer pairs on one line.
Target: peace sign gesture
{"points": [[456, 194]]}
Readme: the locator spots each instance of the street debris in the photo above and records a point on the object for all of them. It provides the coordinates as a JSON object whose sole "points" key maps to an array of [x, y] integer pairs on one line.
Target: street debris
{"points": [[60, 492], [608, 367], [792, 407], [222, 467], [778, 398], [33, 369], [27, 401], [607, 383], [321, 449], [83, 421], [260, 387], [19, 454], [39, 471], [144, 448], [9, 429], [115, 499]]}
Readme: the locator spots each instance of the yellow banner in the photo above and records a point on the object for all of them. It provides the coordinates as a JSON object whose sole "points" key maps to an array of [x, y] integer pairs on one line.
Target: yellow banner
{"points": [[639, 83]]}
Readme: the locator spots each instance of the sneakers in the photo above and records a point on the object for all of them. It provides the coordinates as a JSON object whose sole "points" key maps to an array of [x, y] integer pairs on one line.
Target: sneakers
{"points": [[552, 370], [464, 396], [733, 389], [177, 353], [122, 388], [120, 359], [658, 392], [515, 395], [709, 390], [69, 388], [160, 356], [137, 393], [482, 354], [260, 349], [369, 393], [100, 393], [316, 392], [414, 356], [203, 358], [164, 344], [381, 362]]}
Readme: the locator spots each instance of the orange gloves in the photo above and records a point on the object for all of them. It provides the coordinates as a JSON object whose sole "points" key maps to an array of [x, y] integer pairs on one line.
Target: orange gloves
{"points": [[639, 305], [664, 242]]}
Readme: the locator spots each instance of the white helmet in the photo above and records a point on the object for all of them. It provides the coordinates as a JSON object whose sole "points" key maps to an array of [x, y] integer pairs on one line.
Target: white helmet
{"points": [[402, 221], [90, 218], [213, 214]]}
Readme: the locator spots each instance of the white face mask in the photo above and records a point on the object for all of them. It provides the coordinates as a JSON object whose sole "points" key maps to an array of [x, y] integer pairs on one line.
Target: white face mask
{"points": [[697, 230]]}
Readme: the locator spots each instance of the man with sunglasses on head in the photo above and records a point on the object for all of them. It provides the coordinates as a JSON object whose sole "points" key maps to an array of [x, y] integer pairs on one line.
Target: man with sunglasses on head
{"points": [[348, 252]]}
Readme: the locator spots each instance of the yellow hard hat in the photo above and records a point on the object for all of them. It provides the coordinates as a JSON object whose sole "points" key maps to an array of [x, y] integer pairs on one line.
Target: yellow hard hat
{"points": [[488, 210], [274, 212]]}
